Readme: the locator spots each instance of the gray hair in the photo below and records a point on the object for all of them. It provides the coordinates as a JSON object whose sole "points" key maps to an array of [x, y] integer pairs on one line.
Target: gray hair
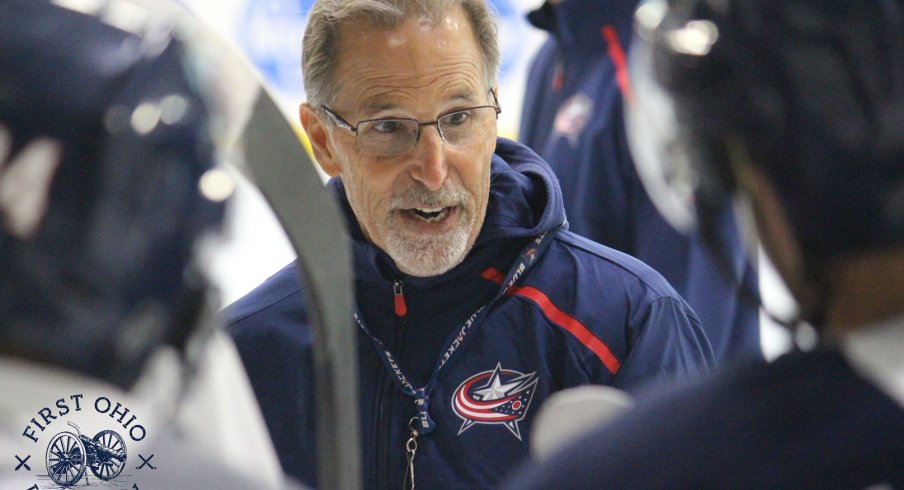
{"points": [[318, 57]]}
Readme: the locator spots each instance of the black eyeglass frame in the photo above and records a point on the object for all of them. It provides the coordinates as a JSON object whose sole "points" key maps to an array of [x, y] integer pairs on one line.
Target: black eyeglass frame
{"points": [[342, 123]]}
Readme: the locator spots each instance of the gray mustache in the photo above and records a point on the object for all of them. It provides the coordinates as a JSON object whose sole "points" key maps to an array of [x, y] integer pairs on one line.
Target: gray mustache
{"points": [[419, 197]]}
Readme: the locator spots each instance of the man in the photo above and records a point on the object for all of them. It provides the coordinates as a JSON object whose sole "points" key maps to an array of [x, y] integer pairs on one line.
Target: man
{"points": [[473, 303], [797, 106], [111, 371], [572, 116]]}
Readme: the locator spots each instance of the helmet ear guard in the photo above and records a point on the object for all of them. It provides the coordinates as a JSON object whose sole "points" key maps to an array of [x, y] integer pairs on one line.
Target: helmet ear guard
{"points": [[682, 163], [810, 94], [681, 160], [813, 91]]}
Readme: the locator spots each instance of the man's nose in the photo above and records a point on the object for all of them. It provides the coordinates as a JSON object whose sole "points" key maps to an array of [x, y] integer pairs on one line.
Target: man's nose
{"points": [[429, 165]]}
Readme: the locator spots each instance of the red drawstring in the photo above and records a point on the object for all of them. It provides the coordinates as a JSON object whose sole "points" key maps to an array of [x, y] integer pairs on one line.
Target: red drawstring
{"points": [[401, 309]]}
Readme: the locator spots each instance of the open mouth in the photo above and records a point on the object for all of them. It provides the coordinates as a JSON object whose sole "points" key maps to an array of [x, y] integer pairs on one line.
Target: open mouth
{"points": [[429, 215]]}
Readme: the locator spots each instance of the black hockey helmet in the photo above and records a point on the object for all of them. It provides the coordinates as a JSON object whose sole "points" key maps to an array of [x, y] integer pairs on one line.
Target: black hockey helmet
{"points": [[105, 147], [810, 92]]}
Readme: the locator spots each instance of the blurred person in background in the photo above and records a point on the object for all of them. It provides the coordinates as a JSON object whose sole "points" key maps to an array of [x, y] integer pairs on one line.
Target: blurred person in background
{"points": [[572, 117], [796, 107]]}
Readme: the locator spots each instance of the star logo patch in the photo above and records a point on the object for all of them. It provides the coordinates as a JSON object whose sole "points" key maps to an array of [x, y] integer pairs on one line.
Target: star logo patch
{"points": [[499, 396]]}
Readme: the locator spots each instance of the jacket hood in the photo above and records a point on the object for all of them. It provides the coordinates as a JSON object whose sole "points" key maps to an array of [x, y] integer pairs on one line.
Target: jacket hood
{"points": [[525, 200], [577, 24]]}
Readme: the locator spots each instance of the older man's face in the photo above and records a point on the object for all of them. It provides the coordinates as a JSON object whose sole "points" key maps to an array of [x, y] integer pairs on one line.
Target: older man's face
{"points": [[426, 206]]}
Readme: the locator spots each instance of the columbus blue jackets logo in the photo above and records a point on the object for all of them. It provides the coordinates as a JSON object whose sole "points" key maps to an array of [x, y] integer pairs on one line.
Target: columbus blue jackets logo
{"points": [[573, 116], [496, 397]]}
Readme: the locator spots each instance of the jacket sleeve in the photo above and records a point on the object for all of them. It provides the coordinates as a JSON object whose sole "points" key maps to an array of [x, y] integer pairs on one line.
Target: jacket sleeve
{"points": [[666, 341], [271, 332]]}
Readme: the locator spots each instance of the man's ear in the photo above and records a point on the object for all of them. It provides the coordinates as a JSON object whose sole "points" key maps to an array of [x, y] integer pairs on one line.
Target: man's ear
{"points": [[317, 135]]}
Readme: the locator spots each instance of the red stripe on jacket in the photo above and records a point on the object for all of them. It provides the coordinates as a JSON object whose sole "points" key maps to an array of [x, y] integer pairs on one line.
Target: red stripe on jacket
{"points": [[560, 318], [617, 54]]}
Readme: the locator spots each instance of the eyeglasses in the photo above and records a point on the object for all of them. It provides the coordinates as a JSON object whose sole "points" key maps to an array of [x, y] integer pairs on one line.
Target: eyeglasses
{"points": [[394, 136]]}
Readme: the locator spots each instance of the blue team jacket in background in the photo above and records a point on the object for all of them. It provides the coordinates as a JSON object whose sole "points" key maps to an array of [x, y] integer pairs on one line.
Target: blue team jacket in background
{"points": [[583, 313], [573, 118]]}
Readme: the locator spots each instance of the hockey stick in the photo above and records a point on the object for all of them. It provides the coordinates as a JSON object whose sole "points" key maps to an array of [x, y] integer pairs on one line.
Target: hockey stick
{"points": [[285, 175]]}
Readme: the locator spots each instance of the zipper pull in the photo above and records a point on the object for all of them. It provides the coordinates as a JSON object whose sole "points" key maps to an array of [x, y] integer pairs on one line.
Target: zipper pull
{"points": [[401, 309], [411, 450]]}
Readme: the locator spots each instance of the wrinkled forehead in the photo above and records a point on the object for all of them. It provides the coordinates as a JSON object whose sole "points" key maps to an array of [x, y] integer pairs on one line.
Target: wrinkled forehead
{"points": [[419, 57], [363, 32]]}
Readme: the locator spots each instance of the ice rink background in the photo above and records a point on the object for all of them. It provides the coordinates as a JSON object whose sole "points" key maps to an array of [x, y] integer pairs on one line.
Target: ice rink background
{"points": [[269, 33]]}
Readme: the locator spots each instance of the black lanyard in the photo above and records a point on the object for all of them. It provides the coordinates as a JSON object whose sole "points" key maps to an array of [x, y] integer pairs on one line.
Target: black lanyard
{"points": [[456, 340]]}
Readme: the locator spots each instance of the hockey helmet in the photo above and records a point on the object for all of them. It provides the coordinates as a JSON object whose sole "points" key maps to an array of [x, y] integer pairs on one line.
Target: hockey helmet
{"points": [[809, 92], [105, 147]]}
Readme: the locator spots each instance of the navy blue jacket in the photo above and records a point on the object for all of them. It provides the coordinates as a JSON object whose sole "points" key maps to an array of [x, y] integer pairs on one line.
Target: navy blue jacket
{"points": [[582, 313], [572, 117], [804, 421]]}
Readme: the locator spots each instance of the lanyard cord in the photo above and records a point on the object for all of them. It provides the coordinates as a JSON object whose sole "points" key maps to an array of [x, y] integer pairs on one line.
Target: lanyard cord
{"points": [[454, 343]]}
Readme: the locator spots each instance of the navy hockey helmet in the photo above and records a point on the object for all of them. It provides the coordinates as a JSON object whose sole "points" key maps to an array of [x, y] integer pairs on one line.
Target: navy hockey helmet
{"points": [[104, 146], [809, 92]]}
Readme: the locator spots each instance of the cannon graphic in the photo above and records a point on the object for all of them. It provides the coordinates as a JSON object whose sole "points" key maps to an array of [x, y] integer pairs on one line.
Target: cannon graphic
{"points": [[70, 455]]}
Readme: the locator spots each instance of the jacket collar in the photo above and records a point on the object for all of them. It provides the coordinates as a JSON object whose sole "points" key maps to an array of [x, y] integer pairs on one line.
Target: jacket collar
{"points": [[525, 200]]}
